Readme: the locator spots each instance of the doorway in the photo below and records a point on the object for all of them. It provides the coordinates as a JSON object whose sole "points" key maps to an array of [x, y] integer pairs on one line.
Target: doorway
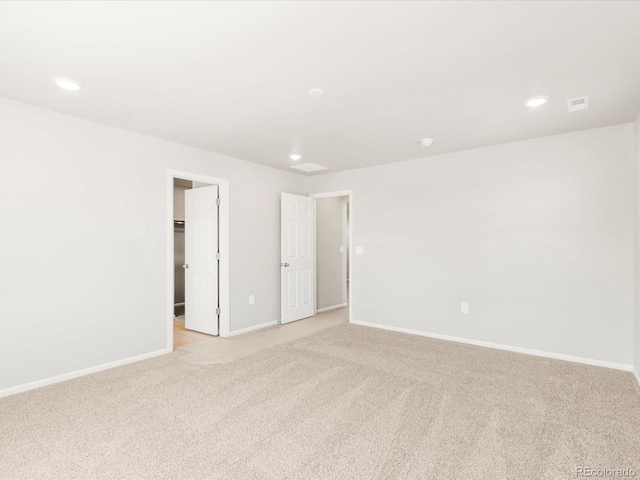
{"points": [[332, 253], [179, 189], [303, 284], [197, 258]]}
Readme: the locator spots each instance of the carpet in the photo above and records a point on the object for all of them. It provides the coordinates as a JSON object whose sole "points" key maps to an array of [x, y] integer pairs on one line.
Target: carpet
{"points": [[348, 402]]}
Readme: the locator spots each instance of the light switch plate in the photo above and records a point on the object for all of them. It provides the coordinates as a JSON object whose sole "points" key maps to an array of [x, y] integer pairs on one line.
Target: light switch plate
{"points": [[464, 307], [359, 250], [252, 299]]}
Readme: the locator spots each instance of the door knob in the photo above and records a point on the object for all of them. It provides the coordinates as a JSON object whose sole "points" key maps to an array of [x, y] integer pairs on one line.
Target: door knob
{"points": [[284, 264], [185, 266]]}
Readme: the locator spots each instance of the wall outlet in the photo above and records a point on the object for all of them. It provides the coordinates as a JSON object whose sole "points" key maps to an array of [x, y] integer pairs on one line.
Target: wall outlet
{"points": [[464, 307], [341, 248], [252, 299]]}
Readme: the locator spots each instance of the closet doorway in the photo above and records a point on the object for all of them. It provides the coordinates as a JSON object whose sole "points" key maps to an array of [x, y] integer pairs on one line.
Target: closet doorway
{"points": [[198, 250]]}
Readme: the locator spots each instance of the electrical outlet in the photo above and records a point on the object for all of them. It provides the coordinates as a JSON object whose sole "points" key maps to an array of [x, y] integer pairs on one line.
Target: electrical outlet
{"points": [[341, 248], [252, 299], [464, 307]]}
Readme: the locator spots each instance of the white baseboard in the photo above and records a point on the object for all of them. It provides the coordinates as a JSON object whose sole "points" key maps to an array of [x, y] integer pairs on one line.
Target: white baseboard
{"points": [[480, 343], [80, 373], [255, 327], [334, 307], [637, 375]]}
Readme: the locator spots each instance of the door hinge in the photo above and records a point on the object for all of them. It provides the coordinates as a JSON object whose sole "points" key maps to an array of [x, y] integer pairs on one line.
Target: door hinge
{"points": [[218, 256], [218, 201], [218, 311]]}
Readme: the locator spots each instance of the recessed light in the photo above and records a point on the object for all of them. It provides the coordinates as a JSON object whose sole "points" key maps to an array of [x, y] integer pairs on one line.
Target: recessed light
{"points": [[426, 142], [66, 83], [316, 92], [295, 156], [536, 101]]}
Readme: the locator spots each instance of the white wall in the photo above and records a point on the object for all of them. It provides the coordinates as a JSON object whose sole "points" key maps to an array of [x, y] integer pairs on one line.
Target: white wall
{"points": [[331, 264], [537, 236], [83, 258], [637, 251]]}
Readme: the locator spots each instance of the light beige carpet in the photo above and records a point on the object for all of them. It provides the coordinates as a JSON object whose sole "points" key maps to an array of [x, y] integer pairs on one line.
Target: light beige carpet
{"points": [[347, 402]]}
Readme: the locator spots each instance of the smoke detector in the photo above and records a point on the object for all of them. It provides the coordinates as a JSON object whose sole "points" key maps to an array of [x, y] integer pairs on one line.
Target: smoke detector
{"points": [[309, 167], [580, 103]]}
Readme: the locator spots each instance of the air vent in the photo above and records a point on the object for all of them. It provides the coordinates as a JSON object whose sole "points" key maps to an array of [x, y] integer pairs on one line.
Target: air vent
{"points": [[575, 104], [309, 167]]}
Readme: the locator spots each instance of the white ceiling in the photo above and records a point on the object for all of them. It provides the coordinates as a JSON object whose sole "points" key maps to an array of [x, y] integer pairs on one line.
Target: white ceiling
{"points": [[232, 77]]}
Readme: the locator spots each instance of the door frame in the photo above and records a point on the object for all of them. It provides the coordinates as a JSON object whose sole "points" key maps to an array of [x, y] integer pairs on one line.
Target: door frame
{"points": [[339, 193], [223, 245]]}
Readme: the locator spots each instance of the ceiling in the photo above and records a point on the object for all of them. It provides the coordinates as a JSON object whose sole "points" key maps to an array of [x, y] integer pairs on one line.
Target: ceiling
{"points": [[232, 77]]}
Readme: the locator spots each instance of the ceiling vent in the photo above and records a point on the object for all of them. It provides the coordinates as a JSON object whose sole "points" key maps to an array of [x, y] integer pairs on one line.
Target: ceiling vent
{"points": [[309, 167], [575, 104]]}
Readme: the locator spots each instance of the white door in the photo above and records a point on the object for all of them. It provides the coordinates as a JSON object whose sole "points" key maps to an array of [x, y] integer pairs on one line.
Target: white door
{"points": [[201, 259], [297, 246]]}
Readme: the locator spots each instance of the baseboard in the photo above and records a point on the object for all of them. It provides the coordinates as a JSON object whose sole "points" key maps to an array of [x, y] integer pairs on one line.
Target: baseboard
{"points": [[498, 346], [80, 373], [334, 307], [255, 327], [637, 375]]}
